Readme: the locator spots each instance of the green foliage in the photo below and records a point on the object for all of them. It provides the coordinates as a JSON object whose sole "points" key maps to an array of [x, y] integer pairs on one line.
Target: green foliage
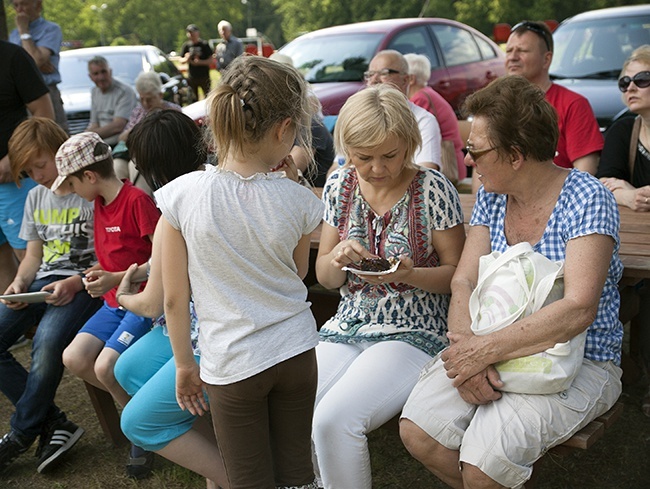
{"points": [[306, 15], [162, 22]]}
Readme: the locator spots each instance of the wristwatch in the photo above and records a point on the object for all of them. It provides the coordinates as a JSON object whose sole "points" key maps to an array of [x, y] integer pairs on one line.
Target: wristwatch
{"points": [[25, 37]]}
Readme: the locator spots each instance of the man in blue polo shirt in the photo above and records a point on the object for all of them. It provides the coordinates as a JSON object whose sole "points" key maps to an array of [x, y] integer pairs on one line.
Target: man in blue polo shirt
{"points": [[42, 40]]}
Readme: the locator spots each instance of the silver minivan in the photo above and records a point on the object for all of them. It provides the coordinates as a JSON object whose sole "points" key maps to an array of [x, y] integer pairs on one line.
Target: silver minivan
{"points": [[590, 49]]}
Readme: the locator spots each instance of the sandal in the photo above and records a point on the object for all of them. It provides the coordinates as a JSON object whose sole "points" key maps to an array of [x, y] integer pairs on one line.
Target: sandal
{"points": [[140, 464]]}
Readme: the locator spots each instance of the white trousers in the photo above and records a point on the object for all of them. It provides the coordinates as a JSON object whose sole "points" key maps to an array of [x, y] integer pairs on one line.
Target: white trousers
{"points": [[360, 387]]}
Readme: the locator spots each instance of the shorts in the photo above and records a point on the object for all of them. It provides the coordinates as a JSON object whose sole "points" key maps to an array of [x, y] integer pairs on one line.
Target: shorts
{"points": [[12, 206], [504, 438], [118, 329]]}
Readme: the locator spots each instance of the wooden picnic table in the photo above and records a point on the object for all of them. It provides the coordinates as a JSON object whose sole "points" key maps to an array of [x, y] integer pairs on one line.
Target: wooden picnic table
{"points": [[635, 256], [634, 235]]}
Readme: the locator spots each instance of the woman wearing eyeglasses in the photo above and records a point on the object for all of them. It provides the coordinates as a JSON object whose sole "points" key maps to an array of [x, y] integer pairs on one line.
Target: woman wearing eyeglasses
{"points": [[461, 421], [630, 180]]}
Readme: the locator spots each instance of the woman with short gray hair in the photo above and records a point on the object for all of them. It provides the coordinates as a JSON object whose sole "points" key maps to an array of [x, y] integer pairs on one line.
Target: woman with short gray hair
{"points": [[150, 92], [421, 94]]}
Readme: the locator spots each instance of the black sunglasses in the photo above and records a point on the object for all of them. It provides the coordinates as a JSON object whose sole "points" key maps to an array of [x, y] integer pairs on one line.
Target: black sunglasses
{"points": [[641, 80], [532, 27]]}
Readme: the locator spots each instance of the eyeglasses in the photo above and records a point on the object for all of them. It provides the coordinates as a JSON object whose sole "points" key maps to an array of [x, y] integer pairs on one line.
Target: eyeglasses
{"points": [[641, 80], [532, 27], [475, 154], [382, 73]]}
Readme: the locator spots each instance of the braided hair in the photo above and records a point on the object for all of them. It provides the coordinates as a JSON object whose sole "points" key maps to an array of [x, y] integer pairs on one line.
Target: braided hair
{"points": [[255, 94]]}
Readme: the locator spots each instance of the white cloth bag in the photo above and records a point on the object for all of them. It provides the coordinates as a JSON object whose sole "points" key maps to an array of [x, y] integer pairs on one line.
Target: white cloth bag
{"points": [[511, 286]]}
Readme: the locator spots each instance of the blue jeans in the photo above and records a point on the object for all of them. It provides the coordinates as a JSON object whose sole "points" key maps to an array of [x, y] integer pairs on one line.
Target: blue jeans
{"points": [[32, 393]]}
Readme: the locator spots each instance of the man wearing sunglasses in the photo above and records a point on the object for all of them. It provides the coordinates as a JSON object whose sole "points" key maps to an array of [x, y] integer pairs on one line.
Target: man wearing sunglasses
{"points": [[529, 52], [391, 67]]}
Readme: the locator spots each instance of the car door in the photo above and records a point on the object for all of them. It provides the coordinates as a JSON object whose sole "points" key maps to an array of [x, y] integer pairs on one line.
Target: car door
{"points": [[418, 40], [471, 62]]}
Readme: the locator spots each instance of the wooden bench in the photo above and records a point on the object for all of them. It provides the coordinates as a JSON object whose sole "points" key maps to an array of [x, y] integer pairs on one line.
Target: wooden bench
{"points": [[583, 439], [107, 415]]}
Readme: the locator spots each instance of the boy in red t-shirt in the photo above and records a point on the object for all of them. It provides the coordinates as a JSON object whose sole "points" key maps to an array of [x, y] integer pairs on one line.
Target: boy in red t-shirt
{"points": [[125, 219]]}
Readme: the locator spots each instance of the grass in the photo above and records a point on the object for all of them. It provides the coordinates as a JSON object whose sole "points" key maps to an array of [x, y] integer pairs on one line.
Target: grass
{"points": [[620, 460]]}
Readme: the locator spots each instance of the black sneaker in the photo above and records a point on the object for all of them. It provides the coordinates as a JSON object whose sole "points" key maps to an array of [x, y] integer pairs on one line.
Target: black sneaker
{"points": [[11, 447], [60, 438], [140, 463]]}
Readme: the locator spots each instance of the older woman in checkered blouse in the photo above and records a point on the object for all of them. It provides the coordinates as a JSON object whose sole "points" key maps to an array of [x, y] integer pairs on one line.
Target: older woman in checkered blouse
{"points": [[457, 422]]}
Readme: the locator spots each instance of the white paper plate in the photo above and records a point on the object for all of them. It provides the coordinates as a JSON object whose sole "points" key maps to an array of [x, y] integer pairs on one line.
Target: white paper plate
{"points": [[356, 271], [28, 297]]}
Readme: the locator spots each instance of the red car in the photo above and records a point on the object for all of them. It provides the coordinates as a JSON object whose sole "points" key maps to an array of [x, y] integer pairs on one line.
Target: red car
{"points": [[334, 59]]}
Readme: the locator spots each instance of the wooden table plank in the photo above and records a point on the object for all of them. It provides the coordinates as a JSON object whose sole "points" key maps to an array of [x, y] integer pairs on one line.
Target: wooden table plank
{"points": [[634, 235]]}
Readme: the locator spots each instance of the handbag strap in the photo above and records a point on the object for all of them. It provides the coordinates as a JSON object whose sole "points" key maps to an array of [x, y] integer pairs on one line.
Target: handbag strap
{"points": [[512, 252], [511, 255], [634, 142]]}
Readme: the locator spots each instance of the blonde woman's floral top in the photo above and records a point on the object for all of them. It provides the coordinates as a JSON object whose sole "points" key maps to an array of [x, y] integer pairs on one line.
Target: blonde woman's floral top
{"points": [[391, 311]]}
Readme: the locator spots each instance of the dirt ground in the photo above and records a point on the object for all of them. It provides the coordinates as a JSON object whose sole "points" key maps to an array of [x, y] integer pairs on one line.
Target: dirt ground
{"points": [[620, 460]]}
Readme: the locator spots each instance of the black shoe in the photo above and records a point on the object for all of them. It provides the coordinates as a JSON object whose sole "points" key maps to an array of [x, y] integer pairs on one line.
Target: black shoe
{"points": [[11, 447], [59, 438], [140, 463]]}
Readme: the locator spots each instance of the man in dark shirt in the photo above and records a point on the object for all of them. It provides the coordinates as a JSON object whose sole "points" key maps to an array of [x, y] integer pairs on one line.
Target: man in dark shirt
{"points": [[21, 89], [198, 56]]}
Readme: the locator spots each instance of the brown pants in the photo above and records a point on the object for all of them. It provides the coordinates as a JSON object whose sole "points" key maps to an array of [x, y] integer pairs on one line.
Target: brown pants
{"points": [[195, 83], [263, 425]]}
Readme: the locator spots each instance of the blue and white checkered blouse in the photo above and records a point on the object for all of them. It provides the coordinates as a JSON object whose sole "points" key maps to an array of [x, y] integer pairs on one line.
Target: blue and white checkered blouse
{"points": [[584, 207]]}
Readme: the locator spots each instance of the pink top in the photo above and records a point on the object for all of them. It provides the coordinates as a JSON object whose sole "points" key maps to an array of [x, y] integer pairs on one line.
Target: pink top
{"points": [[429, 99]]}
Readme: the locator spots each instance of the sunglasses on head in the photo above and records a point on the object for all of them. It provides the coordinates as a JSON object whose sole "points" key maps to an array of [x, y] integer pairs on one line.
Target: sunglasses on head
{"points": [[641, 80], [532, 27]]}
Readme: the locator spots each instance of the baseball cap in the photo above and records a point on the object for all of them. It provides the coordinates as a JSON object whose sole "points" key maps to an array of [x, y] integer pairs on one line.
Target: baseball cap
{"points": [[78, 152], [192, 28]]}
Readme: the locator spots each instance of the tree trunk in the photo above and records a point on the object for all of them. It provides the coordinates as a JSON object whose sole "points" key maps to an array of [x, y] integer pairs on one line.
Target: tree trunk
{"points": [[4, 33]]}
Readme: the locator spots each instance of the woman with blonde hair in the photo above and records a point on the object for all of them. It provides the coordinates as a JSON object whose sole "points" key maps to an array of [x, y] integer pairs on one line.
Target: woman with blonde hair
{"points": [[379, 206], [629, 180]]}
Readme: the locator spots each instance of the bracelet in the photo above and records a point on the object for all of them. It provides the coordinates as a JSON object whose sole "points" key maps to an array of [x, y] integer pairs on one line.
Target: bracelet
{"points": [[117, 299]]}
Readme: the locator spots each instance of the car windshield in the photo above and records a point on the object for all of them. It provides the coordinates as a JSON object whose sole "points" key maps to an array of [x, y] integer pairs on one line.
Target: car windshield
{"points": [[334, 58], [74, 69], [597, 48]]}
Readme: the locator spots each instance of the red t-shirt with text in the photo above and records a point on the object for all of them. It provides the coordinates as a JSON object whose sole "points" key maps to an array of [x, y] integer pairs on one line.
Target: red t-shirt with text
{"points": [[122, 230]]}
